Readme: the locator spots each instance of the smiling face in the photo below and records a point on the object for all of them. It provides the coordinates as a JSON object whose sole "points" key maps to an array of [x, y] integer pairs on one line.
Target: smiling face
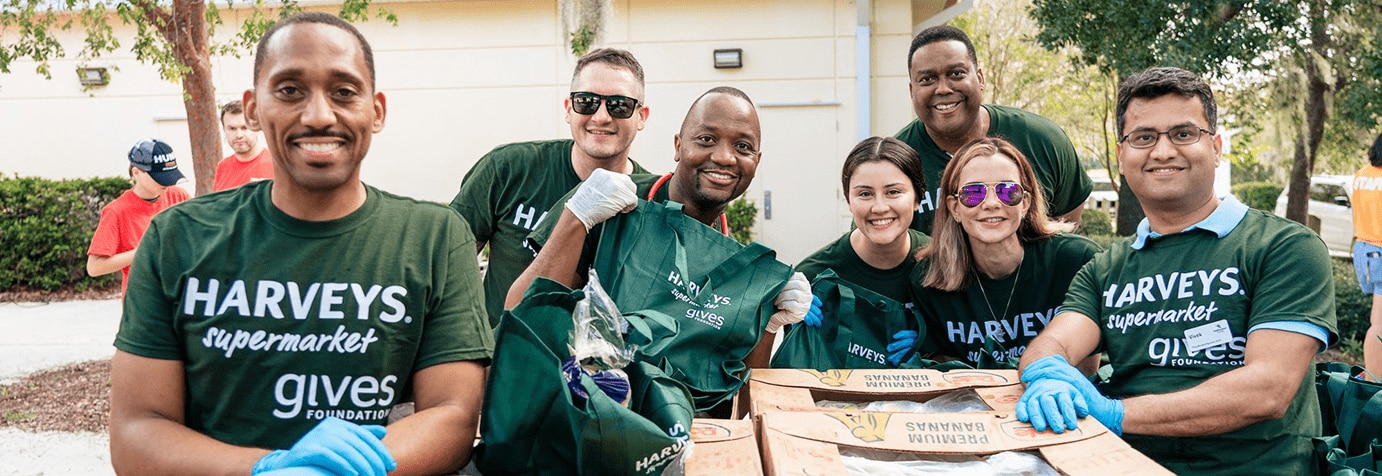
{"points": [[598, 136], [1168, 177], [882, 201], [947, 89], [315, 103], [991, 222], [716, 152]]}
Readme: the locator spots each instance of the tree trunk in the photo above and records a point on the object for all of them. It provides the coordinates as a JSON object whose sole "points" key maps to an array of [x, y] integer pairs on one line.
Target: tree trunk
{"points": [[1316, 112], [190, 46]]}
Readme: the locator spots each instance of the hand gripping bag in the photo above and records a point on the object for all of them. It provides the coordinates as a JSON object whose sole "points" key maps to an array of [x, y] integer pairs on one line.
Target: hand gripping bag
{"points": [[656, 258], [856, 326]]}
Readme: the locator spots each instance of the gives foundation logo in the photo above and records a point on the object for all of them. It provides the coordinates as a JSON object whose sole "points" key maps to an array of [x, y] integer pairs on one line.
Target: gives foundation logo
{"points": [[867, 427], [833, 378]]}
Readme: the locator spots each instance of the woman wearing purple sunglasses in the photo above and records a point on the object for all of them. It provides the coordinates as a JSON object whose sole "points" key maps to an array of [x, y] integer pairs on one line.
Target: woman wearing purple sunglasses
{"points": [[997, 268]]}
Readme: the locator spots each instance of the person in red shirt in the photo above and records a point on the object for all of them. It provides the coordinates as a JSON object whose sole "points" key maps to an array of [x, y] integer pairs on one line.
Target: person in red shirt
{"points": [[155, 172], [251, 160]]}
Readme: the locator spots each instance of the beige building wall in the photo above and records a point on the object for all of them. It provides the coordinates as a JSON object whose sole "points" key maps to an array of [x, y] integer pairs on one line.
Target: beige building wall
{"points": [[462, 77]]}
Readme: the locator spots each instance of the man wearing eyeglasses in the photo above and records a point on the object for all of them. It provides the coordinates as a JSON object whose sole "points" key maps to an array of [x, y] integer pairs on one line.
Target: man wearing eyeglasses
{"points": [[508, 192], [947, 90], [1210, 316]]}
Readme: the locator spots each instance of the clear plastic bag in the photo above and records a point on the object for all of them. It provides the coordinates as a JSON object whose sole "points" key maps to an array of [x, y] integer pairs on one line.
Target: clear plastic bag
{"points": [[954, 402], [874, 462], [597, 345]]}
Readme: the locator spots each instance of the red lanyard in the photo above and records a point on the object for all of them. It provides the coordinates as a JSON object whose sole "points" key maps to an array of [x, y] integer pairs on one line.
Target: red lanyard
{"points": [[724, 221]]}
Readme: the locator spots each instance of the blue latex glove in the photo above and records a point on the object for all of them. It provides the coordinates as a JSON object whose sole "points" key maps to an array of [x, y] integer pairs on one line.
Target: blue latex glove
{"points": [[337, 447], [301, 471], [1051, 403], [902, 342], [814, 316], [1054, 367]]}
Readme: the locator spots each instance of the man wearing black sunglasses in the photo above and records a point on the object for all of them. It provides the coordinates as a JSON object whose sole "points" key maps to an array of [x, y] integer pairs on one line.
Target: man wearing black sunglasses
{"points": [[510, 189], [947, 90], [1210, 316]]}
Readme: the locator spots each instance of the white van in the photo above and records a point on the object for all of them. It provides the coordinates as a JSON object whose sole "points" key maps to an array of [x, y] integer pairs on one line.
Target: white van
{"points": [[1330, 211]]}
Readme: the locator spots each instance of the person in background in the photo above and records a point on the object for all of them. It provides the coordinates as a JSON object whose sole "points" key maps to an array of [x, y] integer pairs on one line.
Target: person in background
{"points": [[1367, 250], [1211, 316], [882, 178], [250, 160], [273, 327], [508, 192], [947, 90], [154, 170], [992, 232]]}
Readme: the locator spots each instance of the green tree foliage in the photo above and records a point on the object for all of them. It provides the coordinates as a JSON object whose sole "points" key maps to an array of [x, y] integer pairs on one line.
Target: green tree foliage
{"points": [[1351, 306], [173, 35], [1308, 57], [46, 227], [741, 215]]}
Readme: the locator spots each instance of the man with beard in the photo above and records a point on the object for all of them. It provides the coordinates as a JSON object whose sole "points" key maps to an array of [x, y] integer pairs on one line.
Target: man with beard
{"points": [[273, 327], [947, 89], [250, 162], [508, 192]]}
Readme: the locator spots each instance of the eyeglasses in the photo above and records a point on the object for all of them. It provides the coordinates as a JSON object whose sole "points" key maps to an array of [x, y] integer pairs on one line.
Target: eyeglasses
{"points": [[1008, 193], [1183, 135], [618, 107]]}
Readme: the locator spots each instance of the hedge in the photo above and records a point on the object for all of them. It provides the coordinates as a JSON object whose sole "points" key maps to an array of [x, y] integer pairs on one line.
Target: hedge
{"points": [[1351, 306], [46, 227], [1258, 195], [1095, 222]]}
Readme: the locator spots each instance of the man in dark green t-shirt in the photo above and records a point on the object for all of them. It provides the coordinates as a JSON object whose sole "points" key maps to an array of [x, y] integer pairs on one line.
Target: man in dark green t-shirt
{"points": [[1210, 317], [717, 154], [272, 328], [947, 89], [508, 192]]}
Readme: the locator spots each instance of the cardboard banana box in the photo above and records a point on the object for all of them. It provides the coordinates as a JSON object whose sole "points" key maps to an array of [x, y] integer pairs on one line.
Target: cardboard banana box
{"points": [[800, 389]]}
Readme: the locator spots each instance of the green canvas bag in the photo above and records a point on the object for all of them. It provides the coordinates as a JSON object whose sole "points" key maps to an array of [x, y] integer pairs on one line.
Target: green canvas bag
{"points": [[1351, 412], [856, 326], [529, 423], [721, 292]]}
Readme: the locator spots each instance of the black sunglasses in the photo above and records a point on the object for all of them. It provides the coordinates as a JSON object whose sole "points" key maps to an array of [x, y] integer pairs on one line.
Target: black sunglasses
{"points": [[1008, 193], [618, 107]]}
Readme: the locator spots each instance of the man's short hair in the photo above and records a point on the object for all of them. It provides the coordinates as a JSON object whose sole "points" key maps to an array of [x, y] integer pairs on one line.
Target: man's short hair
{"points": [[613, 57], [940, 33], [1155, 82], [233, 107], [730, 90], [1375, 152], [320, 18]]}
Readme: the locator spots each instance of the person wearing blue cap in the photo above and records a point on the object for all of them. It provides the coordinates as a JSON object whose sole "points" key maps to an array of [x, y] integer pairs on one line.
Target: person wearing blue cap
{"points": [[154, 170]]}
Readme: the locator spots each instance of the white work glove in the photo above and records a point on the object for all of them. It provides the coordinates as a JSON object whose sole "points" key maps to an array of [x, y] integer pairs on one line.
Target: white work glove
{"points": [[792, 303], [602, 196]]}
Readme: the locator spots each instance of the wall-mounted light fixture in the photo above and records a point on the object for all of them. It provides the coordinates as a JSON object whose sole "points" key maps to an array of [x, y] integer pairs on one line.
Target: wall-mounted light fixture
{"points": [[729, 58], [93, 76]]}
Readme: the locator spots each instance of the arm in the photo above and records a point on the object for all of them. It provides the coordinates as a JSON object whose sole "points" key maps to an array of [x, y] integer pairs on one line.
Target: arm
{"points": [[1070, 334], [103, 265], [557, 260], [439, 437], [1262, 389], [147, 431], [1073, 217]]}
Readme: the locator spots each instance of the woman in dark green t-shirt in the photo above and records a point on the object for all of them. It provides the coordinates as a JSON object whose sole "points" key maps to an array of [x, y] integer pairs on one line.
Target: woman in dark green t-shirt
{"points": [[882, 180], [992, 238]]}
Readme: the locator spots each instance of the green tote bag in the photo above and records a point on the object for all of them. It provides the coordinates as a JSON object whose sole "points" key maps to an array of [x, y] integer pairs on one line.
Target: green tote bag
{"points": [[1351, 412], [721, 292], [530, 425], [856, 326]]}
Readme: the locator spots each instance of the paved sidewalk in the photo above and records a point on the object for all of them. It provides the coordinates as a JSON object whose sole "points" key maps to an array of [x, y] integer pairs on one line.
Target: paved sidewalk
{"points": [[38, 336]]}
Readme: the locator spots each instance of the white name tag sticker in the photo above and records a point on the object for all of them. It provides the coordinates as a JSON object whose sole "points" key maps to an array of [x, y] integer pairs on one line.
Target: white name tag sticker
{"points": [[1208, 335]]}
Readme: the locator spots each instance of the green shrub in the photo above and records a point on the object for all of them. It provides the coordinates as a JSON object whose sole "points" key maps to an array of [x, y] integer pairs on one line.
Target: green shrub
{"points": [[1351, 306], [1095, 222], [1259, 195], [741, 215], [46, 227], [1105, 241]]}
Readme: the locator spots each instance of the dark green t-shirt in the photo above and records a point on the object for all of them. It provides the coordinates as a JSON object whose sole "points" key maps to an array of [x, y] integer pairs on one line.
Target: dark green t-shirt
{"points": [[1266, 269], [840, 256], [958, 322], [504, 197], [1053, 158], [281, 322]]}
